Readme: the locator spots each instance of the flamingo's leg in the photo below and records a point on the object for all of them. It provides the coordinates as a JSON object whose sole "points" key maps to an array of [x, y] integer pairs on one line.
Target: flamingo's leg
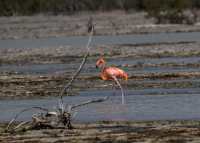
{"points": [[122, 90], [114, 89]]}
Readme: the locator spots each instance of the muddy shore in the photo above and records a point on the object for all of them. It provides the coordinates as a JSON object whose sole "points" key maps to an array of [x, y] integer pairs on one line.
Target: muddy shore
{"points": [[115, 132], [19, 84], [71, 54], [149, 66], [112, 23]]}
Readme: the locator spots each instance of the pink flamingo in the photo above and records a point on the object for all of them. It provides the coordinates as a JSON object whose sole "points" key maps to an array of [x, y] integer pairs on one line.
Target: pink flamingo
{"points": [[111, 73]]}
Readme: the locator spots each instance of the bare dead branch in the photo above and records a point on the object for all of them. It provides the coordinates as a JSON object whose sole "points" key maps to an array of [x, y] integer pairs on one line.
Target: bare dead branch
{"points": [[90, 25], [54, 118], [89, 102], [66, 87], [21, 124], [27, 109]]}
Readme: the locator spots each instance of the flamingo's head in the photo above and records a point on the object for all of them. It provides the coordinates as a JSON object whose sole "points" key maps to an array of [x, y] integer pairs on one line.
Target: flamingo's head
{"points": [[100, 63]]}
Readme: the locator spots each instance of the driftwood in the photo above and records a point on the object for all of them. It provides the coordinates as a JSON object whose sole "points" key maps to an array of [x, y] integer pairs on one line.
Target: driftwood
{"points": [[27, 109], [63, 115], [49, 119]]}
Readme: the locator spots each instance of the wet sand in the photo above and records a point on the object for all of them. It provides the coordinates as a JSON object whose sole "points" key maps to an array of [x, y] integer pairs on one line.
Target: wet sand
{"points": [[115, 132]]}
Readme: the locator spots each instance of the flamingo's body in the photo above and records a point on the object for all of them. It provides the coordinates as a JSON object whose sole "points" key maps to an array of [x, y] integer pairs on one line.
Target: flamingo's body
{"points": [[108, 73], [112, 73]]}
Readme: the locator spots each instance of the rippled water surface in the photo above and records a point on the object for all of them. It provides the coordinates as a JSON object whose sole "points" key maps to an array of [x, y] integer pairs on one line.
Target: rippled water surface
{"points": [[138, 106], [90, 68], [99, 40], [141, 104]]}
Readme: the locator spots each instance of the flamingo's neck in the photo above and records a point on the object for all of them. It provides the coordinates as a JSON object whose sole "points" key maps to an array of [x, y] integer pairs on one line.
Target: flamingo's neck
{"points": [[103, 67]]}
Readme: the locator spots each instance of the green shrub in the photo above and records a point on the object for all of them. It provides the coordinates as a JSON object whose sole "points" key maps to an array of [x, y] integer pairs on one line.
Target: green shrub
{"points": [[154, 7]]}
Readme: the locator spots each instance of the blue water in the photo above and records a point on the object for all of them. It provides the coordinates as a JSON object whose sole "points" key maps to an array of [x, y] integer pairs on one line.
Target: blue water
{"points": [[145, 104], [102, 40], [139, 106], [90, 67]]}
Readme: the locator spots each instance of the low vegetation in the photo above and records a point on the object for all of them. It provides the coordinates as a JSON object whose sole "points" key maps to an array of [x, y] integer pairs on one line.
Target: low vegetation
{"points": [[171, 11]]}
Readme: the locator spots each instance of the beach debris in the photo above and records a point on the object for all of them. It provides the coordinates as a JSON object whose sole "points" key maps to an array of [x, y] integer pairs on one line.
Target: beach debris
{"points": [[60, 118]]}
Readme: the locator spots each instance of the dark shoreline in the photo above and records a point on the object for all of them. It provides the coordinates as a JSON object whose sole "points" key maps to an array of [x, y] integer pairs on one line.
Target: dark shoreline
{"points": [[112, 131]]}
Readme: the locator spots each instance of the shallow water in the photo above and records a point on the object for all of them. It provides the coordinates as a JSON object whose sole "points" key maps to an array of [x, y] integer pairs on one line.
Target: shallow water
{"points": [[90, 67], [137, 107], [102, 40], [144, 104]]}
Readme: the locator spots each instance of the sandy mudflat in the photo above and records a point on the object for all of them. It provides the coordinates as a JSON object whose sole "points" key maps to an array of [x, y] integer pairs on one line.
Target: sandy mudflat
{"points": [[164, 65], [21, 84], [115, 132], [71, 54]]}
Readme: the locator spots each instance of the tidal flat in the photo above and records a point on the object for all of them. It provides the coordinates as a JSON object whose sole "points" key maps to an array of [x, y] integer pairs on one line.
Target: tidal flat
{"points": [[163, 71], [111, 131], [40, 72]]}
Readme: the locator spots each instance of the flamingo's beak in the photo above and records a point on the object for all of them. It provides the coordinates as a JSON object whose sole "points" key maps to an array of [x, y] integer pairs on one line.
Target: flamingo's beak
{"points": [[97, 67]]}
